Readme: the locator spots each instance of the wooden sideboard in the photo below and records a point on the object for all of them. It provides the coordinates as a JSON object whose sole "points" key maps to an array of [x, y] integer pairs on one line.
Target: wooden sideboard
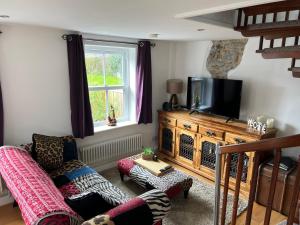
{"points": [[190, 141]]}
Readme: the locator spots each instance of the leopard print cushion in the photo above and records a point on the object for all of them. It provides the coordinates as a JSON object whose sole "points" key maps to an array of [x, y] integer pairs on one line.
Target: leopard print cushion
{"points": [[49, 151]]}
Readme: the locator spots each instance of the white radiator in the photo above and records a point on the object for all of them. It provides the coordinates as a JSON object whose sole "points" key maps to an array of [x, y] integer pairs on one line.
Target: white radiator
{"points": [[109, 151]]}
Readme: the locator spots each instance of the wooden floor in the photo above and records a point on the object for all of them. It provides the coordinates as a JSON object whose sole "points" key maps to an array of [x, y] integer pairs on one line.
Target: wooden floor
{"points": [[11, 216]]}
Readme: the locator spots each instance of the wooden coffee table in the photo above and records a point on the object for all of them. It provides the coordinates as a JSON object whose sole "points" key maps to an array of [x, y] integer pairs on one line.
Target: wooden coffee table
{"points": [[172, 183]]}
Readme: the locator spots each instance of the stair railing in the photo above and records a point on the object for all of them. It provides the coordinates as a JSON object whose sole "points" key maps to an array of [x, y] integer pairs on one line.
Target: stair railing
{"points": [[270, 22], [277, 145]]}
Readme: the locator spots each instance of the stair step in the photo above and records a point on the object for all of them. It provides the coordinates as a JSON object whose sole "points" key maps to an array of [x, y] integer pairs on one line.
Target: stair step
{"points": [[282, 6], [291, 34], [281, 52], [271, 29], [296, 71], [296, 75]]}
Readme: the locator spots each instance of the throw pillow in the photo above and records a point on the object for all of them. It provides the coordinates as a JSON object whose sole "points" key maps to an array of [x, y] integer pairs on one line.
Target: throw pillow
{"points": [[48, 151], [70, 148], [27, 147], [88, 205]]}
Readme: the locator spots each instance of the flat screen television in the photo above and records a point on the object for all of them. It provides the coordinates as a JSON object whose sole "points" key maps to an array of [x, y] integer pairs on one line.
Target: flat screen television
{"points": [[216, 96]]}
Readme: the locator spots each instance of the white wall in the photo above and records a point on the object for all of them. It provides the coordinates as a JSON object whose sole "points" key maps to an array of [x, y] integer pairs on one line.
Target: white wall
{"points": [[34, 77], [188, 59], [35, 83], [269, 88]]}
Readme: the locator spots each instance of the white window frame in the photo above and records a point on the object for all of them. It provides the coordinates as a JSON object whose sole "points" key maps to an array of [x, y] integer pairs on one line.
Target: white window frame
{"points": [[101, 48]]}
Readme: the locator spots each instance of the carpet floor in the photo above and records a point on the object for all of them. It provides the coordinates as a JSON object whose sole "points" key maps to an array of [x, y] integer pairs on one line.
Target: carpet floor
{"points": [[196, 210]]}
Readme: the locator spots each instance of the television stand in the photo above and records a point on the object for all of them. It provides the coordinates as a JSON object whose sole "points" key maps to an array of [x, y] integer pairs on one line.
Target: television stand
{"points": [[193, 139]]}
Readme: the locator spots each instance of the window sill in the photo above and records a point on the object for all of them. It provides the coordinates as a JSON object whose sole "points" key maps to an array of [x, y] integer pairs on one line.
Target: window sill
{"points": [[119, 125]]}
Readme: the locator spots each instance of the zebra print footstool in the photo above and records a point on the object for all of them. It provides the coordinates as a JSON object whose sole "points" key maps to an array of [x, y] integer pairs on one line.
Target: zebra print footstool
{"points": [[171, 183]]}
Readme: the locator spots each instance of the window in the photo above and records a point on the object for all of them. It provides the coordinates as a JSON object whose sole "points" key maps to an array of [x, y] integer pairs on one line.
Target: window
{"points": [[110, 70]]}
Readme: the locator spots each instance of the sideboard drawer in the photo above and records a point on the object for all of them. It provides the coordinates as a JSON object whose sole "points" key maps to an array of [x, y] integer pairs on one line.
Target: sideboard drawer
{"points": [[187, 125], [214, 133], [168, 121], [237, 139]]}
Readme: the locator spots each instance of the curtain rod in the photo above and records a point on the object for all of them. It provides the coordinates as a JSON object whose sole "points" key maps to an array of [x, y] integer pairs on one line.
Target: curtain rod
{"points": [[109, 41]]}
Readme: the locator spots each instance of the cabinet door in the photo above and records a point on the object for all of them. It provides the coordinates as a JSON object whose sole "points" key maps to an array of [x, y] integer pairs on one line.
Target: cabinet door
{"points": [[207, 156], [246, 172], [186, 146], [167, 140], [247, 162]]}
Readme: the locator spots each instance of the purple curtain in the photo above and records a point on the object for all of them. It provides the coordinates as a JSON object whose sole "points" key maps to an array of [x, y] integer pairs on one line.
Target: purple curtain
{"points": [[144, 83], [1, 119], [81, 113]]}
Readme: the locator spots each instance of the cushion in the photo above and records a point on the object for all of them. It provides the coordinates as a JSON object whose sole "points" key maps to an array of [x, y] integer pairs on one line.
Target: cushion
{"points": [[61, 180], [89, 205], [67, 167], [48, 151], [27, 147], [70, 148], [132, 213]]}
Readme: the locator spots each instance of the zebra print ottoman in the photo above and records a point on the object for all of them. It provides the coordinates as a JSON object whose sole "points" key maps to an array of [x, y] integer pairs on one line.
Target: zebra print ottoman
{"points": [[171, 183]]}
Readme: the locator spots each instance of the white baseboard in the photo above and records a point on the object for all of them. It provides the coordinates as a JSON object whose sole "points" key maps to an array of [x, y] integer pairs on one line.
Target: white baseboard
{"points": [[6, 199]]}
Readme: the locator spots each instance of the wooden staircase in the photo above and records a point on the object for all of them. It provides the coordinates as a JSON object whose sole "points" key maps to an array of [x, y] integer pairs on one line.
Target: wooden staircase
{"points": [[273, 23], [294, 69]]}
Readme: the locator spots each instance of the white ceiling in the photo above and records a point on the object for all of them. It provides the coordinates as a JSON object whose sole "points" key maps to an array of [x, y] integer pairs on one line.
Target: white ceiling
{"points": [[125, 18]]}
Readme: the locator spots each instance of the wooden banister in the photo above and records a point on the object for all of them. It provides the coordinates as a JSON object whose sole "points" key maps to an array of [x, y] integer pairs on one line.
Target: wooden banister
{"points": [[277, 144], [272, 186], [290, 34], [295, 196], [240, 11], [276, 29], [261, 43], [254, 19], [237, 188], [263, 145], [293, 62], [252, 188], [226, 187], [280, 52]]}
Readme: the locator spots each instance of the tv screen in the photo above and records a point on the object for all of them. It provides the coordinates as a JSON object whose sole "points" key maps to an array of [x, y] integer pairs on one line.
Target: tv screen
{"points": [[216, 96]]}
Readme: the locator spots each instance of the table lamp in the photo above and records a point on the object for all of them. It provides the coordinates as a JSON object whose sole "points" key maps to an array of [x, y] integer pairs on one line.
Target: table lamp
{"points": [[174, 86]]}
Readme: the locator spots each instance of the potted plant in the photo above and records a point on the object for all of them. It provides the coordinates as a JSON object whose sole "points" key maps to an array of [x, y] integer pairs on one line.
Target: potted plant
{"points": [[148, 153]]}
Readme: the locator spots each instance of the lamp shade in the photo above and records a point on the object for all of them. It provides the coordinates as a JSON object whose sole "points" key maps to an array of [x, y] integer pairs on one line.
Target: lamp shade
{"points": [[174, 86]]}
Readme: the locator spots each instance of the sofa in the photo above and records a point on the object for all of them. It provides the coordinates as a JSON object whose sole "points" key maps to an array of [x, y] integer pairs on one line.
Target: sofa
{"points": [[73, 193]]}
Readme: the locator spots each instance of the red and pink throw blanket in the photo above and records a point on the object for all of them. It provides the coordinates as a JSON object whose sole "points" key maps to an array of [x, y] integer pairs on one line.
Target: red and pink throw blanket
{"points": [[40, 202]]}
